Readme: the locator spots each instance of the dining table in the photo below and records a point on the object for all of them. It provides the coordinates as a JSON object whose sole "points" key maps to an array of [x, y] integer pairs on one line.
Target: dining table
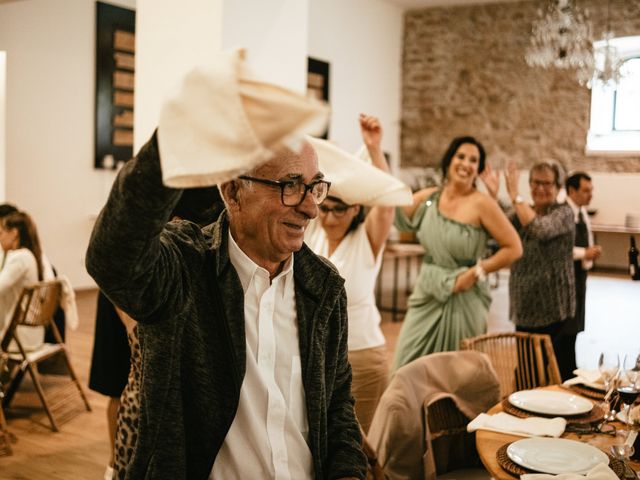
{"points": [[488, 443]]}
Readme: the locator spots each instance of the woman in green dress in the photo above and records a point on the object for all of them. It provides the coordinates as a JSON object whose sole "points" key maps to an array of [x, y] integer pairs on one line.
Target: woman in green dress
{"points": [[453, 223]]}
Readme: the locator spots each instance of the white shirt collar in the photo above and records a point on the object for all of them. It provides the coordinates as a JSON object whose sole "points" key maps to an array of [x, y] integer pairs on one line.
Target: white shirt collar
{"points": [[576, 209], [247, 268]]}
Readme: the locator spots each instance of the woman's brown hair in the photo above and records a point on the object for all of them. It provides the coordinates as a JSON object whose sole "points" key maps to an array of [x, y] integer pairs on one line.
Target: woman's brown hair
{"points": [[27, 235]]}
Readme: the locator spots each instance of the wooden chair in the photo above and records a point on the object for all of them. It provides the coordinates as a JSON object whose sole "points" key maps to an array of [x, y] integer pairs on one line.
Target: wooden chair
{"points": [[5, 436], [419, 427], [35, 309], [521, 360], [453, 447]]}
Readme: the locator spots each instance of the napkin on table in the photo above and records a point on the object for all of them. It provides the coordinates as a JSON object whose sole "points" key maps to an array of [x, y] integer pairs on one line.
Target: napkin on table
{"points": [[583, 375], [599, 472], [525, 427]]}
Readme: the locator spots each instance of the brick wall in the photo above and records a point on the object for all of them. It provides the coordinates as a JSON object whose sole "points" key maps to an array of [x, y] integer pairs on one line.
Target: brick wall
{"points": [[464, 73]]}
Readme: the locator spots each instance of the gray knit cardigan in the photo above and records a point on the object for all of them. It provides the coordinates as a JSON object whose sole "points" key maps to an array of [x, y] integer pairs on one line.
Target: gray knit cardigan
{"points": [[542, 282], [176, 280]]}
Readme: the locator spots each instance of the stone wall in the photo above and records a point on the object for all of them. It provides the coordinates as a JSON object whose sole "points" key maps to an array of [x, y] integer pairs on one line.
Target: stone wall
{"points": [[464, 73]]}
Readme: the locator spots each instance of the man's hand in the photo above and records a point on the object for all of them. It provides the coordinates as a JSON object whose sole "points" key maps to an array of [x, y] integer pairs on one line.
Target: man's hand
{"points": [[491, 179], [371, 130], [465, 281], [593, 252]]}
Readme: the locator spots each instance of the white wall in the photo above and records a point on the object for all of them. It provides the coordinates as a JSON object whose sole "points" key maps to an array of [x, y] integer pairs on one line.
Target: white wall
{"points": [[3, 83], [362, 41], [171, 38], [50, 47], [275, 34]]}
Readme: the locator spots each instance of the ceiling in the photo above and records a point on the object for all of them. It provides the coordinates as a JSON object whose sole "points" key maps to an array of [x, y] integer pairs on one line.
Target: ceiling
{"points": [[443, 3]]}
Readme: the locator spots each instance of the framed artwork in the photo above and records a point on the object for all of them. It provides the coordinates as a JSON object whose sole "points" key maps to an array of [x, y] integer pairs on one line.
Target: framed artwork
{"points": [[318, 82], [115, 74]]}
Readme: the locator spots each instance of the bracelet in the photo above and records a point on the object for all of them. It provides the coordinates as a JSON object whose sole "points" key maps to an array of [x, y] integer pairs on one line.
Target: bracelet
{"points": [[479, 271]]}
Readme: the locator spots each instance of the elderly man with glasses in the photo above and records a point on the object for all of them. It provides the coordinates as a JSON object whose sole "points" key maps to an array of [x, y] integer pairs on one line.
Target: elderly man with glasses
{"points": [[243, 329]]}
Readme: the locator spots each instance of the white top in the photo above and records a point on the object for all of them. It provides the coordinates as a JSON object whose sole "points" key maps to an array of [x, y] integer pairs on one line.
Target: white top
{"points": [[357, 264], [579, 252], [268, 436], [19, 270]]}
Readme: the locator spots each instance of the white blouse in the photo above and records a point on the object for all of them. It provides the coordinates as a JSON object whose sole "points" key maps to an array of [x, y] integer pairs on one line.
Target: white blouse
{"points": [[19, 270], [357, 264]]}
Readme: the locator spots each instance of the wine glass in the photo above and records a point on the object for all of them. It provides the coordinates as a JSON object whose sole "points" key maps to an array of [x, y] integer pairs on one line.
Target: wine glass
{"points": [[609, 367], [631, 367], [629, 388]]}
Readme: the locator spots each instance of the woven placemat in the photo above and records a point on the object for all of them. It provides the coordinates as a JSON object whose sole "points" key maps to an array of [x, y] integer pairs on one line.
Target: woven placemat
{"points": [[585, 391], [594, 415], [516, 470]]}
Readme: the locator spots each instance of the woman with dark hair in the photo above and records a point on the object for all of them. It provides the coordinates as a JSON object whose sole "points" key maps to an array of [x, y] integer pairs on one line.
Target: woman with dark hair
{"points": [[453, 223], [354, 242], [22, 266]]}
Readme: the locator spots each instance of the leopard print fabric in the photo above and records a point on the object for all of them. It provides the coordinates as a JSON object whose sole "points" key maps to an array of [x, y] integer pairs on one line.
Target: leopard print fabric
{"points": [[129, 411]]}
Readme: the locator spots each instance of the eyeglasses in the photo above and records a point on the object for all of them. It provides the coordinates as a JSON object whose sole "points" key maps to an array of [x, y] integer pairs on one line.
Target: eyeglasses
{"points": [[293, 193], [337, 211], [541, 183]]}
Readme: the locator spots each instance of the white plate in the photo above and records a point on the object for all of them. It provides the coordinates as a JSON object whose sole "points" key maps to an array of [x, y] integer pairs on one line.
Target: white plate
{"points": [[550, 402], [555, 455]]}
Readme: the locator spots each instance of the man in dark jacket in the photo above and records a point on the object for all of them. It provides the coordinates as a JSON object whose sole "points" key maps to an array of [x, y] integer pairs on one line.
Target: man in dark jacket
{"points": [[243, 329]]}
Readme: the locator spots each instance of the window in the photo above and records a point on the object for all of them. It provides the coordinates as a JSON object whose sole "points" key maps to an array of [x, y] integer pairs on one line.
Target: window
{"points": [[615, 123]]}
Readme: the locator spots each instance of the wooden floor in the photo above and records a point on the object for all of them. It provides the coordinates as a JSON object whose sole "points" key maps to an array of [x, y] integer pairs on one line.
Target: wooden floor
{"points": [[81, 449]]}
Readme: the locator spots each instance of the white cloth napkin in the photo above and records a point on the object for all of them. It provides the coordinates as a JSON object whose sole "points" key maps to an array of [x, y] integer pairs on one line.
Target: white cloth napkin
{"points": [[583, 375], [525, 427], [599, 472], [355, 181], [222, 121]]}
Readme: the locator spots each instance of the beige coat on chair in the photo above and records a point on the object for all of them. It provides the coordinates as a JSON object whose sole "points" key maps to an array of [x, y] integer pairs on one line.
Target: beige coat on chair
{"points": [[398, 432]]}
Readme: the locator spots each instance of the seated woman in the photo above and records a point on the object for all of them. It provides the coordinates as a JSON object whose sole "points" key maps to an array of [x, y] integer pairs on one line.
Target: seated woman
{"points": [[451, 297], [22, 266], [354, 244]]}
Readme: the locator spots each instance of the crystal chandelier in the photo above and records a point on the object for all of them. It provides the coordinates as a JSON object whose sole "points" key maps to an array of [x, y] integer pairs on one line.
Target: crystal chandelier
{"points": [[561, 38], [607, 61], [607, 67]]}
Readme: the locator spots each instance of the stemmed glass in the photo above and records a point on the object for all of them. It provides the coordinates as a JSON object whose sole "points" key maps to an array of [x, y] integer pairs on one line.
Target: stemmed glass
{"points": [[609, 366], [629, 388]]}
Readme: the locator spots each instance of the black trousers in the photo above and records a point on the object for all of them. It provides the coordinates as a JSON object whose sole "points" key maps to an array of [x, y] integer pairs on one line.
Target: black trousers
{"points": [[564, 346], [573, 326]]}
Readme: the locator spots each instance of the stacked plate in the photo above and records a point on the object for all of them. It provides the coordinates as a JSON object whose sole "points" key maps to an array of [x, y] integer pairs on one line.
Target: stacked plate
{"points": [[553, 455], [632, 220]]}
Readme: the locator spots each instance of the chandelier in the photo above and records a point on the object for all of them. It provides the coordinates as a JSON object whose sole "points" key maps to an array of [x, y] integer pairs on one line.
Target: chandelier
{"points": [[607, 67], [561, 38]]}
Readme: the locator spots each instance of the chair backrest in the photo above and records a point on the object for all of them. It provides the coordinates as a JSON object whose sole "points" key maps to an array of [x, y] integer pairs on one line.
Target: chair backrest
{"points": [[35, 308], [452, 446], [409, 417], [521, 360]]}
